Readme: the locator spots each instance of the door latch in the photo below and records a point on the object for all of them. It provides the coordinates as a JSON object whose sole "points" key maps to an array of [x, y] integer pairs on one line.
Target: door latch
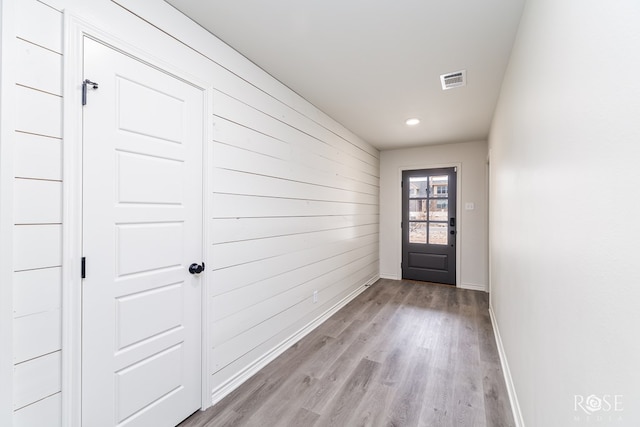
{"points": [[94, 85]]}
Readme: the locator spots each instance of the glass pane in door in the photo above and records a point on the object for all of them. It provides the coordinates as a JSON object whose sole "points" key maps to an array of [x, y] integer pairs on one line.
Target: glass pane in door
{"points": [[438, 233], [417, 232], [439, 186], [417, 210], [418, 187], [438, 210]]}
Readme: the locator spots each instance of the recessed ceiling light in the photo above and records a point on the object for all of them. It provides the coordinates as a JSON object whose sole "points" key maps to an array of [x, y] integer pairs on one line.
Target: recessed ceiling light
{"points": [[412, 122]]}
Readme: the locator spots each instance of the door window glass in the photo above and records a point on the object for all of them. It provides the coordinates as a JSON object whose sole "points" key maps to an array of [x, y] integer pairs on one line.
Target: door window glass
{"points": [[417, 210], [437, 233], [417, 232], [418, 187], [439, 186], [429, 209], [438, 210]]}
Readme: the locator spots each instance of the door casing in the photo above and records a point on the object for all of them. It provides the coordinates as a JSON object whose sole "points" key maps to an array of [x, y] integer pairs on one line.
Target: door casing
{"points": [[398, 204], [76, 29]]}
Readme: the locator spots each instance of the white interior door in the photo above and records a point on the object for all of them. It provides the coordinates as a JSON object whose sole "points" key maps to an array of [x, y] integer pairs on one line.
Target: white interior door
{"points": [[142, 228]]}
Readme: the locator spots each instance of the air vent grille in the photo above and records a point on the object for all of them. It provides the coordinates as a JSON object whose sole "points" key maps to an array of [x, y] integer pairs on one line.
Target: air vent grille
{"points": [[455, 79]]}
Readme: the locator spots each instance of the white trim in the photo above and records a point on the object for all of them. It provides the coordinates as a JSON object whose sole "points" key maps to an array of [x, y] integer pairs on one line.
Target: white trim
{"points": [[511, 390], [390, 276], [76, 29], [7, 134], [234, 382], [458, 211], [473, 287], [72, 224], [488, 213], [205, 401]]}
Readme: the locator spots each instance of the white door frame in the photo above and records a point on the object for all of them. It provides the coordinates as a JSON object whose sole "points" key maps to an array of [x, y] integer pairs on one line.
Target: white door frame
{"points": [[7, 132], [76, 29], [459, 227]]}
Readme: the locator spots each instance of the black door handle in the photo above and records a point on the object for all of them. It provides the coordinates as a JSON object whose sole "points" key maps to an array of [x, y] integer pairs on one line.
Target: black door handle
{"points": [[196, 268], [452, 222]]}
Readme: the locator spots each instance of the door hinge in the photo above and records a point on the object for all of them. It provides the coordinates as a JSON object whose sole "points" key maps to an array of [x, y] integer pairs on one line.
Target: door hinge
{"points": [[401, 184], [400, 224], [94, 85], [83, 268]]}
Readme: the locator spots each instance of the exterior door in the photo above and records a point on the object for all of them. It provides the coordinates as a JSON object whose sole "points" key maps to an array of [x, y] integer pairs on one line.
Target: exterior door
{"points": [[429, 225], [142, 228]]}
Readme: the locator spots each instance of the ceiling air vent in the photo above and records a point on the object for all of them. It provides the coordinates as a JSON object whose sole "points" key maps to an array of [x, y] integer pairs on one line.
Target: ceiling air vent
{"points": [[455, 79]]}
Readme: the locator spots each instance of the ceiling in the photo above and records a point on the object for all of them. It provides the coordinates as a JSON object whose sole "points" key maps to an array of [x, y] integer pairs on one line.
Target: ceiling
{"points": [[372, 64]]}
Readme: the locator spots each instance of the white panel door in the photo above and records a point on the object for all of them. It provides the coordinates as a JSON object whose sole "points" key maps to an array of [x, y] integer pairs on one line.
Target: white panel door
{"points": [[142, 228]]}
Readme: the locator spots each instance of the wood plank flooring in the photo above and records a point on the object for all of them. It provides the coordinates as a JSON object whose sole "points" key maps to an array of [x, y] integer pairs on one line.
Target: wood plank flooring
{"points": [[402, 353]]}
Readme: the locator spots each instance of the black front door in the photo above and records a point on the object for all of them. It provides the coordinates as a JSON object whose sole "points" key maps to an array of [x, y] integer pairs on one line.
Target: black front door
{"points": [[429, 225]]}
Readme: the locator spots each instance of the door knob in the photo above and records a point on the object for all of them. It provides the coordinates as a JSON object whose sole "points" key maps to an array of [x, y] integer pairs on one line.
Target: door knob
{"points": [[196, 268]]}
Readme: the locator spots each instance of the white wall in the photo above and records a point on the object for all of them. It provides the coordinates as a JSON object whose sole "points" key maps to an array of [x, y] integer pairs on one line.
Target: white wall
{"points": [[565, 146], [293, 205], [472, 224]]}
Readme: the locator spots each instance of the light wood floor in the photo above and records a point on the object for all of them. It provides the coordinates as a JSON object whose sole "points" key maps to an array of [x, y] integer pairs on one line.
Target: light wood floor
{"points": [[401, 354]]}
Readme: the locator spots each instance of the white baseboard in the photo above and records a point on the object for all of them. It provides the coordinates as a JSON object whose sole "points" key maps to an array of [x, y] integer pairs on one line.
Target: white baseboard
{"points": [[234, 382], [513, 398], [473, 287]]}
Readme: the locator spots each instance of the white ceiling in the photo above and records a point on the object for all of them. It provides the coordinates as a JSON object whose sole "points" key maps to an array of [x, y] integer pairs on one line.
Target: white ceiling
{"points": [[371, 64]]}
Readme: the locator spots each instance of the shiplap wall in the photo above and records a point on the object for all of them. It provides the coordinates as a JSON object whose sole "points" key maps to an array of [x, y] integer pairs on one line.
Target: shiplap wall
{"points": [[295, 210], [37, 207], [293, 206]]}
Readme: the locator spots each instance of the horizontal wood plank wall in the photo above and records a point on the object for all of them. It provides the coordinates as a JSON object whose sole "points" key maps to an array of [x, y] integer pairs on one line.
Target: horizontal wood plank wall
{"points": [[294, 211], [293, 206], [37, 286]]}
